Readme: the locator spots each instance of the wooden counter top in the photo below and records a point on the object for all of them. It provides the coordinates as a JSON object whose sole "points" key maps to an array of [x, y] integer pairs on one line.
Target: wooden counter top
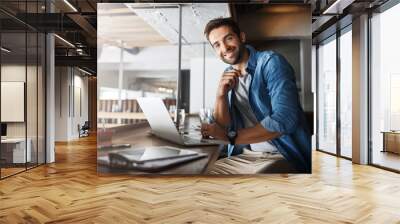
{"points": [[141, 137]]}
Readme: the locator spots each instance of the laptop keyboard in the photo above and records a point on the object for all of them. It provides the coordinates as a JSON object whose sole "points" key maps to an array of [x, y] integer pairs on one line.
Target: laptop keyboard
{"points": [[188, 139]]}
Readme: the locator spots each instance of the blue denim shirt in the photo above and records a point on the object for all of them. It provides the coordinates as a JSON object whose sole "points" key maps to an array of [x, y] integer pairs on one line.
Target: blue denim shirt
{"points": [[275, 102]]}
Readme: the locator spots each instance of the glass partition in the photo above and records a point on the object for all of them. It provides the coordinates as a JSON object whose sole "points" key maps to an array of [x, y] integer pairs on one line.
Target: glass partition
{"points": [[201, 67], [13, 111], [22, 89], [327, 96], [205, 72], [140, 63]]}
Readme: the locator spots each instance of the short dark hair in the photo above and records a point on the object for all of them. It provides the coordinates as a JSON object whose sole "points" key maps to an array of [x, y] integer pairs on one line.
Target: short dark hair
{"points": [[218, 22]]}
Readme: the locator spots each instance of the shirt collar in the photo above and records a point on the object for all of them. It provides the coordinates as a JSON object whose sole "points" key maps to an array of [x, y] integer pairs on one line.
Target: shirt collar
{"points": [[252, 62]]}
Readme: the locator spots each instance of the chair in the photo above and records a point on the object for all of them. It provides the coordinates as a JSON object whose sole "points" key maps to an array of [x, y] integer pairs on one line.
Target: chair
{"points": [[84, 130]]}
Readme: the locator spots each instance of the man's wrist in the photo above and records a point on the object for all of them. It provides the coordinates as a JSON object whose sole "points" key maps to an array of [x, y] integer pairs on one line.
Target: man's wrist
{"points": [[221, 96], [225, 138], [231, 135]]}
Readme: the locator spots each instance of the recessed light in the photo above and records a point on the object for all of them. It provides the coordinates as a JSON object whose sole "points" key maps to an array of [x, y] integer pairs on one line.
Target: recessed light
{"points": [[5, 50], [64, 40], [337, 7], [84, 71], [70, 5]]}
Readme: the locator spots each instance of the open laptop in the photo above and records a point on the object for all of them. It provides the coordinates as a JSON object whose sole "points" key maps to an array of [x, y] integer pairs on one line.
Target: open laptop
{"points": [[163, 126]]}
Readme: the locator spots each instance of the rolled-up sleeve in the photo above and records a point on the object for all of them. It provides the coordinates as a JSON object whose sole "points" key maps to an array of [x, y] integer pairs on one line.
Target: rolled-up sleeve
{"points": [[281, 85]]}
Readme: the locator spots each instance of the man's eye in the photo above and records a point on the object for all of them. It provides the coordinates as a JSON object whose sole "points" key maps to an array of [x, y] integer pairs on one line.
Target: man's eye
{"points": [[216, 45], [229, 38]]}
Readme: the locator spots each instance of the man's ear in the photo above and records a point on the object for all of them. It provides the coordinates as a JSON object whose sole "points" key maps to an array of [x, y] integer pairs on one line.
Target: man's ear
{"points": [[242, 37]]}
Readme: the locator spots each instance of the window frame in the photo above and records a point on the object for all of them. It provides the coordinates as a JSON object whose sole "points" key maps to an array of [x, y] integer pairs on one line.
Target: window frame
{"points": [[333, 37]]}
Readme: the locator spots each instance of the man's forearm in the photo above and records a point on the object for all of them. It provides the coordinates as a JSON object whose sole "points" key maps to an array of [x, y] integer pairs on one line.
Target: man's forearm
{"points": [[221, 112], [254, 135]]}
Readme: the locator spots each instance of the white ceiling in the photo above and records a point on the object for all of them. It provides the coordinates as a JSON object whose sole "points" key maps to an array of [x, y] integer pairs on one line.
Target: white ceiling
{"points": [[164, 18], [119, 26]]}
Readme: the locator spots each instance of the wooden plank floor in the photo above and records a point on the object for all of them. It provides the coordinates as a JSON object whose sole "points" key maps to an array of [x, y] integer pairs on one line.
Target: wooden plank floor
{"points": [[70, 191]]}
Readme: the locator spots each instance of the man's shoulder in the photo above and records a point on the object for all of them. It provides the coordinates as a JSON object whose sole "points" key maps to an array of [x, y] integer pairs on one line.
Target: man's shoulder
{"points": [[269, 59], [273, 60], [265, 56], [258, 57]]}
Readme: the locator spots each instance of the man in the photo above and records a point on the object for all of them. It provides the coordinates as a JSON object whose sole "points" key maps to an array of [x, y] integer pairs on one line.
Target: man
{"points": [[257, 99]]}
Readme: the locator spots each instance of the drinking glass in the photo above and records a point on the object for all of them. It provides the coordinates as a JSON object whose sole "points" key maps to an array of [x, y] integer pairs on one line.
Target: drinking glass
{"points": [[172, 110], [206, 115], [179, 118]]}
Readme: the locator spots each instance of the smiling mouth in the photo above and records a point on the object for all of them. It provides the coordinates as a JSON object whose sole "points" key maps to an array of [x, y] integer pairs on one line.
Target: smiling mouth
{"points": [[229, 55]]}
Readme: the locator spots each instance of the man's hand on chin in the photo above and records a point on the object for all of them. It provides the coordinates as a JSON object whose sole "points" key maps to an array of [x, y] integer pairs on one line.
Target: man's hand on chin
{"points": [[213, 130]]}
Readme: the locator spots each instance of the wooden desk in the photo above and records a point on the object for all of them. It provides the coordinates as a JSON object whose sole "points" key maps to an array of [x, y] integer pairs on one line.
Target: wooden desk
{"points": [[391, 141], [142, 137]]}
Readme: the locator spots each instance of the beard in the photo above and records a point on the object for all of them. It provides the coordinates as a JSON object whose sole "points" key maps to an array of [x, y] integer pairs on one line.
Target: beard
{"points": [[237, 55]]}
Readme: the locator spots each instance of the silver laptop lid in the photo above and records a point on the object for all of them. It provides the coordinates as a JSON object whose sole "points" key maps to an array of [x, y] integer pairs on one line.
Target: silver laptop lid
{"points": [[159, 118]]}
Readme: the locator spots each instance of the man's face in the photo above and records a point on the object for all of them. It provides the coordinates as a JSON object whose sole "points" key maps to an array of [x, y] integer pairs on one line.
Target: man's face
{"points": [[227, 45]]}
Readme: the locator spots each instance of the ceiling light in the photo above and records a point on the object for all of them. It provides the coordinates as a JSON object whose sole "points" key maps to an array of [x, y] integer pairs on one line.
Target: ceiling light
{"points": [[70, 5], [84, 71], [337, 7], [5, 50], [196, 14], [64, 40], [161, 16]]}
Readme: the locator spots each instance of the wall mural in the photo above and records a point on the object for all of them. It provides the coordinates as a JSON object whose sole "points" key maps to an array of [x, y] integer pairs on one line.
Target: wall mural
{"points": [[193, 89]]}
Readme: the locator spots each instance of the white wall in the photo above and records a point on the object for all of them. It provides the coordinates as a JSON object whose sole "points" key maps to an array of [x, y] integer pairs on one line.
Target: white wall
{"points": [[61, 103], [14, 73], [17, 73], [69, 85], [33, 105], [79, 117], [213, 70]]}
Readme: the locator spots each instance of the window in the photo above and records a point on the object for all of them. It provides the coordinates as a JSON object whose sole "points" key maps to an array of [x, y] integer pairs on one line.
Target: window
{"points": [[346, 93], [327, 96], [385, 88]]}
